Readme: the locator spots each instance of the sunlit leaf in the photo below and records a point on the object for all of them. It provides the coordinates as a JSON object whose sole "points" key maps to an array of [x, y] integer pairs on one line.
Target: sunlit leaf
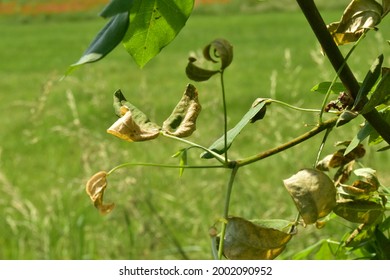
{"points": [[363, 133], [381, 93], [116, 7], [95, 188], [323, 87], [245, 240], [219, 145], [359, 211], [153, 25], [105, 41], [360, 235], [182, 121], [313, 192], [133, 125]]}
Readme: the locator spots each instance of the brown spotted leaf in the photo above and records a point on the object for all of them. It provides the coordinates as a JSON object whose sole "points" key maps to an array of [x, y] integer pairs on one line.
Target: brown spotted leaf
{"points": [[95, 188], [359, 211], [182, 121]]}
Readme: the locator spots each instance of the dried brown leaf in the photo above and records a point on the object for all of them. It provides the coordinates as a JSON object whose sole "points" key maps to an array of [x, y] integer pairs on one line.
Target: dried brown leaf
{"points": [[95, 188]]}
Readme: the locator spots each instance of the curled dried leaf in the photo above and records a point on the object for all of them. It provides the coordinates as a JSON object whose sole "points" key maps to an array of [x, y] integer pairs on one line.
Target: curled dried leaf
{"points": [[182, 121], [245, 240], [313, 192], [95, 188]]}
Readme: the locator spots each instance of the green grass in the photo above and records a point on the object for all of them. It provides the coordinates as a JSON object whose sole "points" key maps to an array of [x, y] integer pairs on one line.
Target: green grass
{"points": [[53, 137]]}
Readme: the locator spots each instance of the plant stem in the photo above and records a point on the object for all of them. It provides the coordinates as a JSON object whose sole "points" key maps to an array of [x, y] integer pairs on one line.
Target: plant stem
{"points": [[226, 209], [330, 48], [319, 128], [148, 164]]}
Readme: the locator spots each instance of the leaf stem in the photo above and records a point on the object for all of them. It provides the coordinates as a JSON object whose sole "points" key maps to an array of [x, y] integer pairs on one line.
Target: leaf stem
{"points": [[294, 107], [216, 156], [148, 164], [226, 209], [225, 128]]}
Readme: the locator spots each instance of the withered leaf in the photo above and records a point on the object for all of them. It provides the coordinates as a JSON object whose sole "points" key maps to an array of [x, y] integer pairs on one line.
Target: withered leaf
{"points": [[131, 129], [245, 240], [95, 188], [182, 121], [313, 192], [133, 125], [358, 16]]}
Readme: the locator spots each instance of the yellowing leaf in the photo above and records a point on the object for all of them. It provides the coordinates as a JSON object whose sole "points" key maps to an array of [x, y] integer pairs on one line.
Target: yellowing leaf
{"points": [[95, 188], [245, 240], [182, 121], [359, 211], [313, 192]]}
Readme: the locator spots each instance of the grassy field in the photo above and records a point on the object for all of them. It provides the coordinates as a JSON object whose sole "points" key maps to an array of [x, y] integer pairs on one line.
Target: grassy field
{"points": [[53, 136]]}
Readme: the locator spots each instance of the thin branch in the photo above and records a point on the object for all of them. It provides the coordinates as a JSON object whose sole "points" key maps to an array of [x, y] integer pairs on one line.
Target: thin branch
{"points": [[330, 48], [319, 128]]}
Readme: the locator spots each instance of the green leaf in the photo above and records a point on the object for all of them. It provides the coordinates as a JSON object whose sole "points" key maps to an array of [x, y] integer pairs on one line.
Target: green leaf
{"points": [[375, 137], [345, 117], [153, 25], [324, 87], [381, 93], [183, 159], [369, 81], [363, 133], [116, 7], [105, 41], [219, 145]]}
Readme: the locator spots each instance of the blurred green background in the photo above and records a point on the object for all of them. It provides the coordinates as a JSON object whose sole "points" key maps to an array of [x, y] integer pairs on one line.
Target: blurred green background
{"points": [[53, 139]]}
